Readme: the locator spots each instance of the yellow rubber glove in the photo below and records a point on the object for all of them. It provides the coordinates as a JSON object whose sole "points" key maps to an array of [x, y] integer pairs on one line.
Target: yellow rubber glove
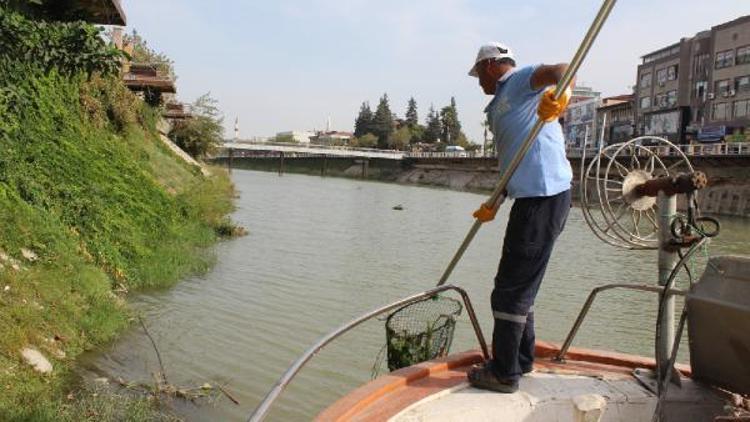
{"points": [[550, 109], [485, 213]]}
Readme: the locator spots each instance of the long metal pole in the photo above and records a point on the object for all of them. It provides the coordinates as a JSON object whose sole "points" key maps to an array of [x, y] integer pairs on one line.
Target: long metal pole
{"points": [[667, 263], [497, 195]]}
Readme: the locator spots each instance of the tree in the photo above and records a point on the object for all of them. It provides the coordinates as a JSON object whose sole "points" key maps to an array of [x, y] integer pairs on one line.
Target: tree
{"points": [[488, 144], [412, 118], [368, 140], [363, 123], [201, 134], [401, 138], [383, 122], [417, 133], [286, 139], [433, 127], [451, 126]]}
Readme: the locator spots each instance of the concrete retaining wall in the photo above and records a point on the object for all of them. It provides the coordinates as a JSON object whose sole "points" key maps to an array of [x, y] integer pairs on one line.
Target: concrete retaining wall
{"points": [[728, 192]]}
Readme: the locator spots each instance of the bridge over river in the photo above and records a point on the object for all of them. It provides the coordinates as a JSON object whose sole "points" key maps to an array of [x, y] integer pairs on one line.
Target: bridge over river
{"points": [[242, 149]]}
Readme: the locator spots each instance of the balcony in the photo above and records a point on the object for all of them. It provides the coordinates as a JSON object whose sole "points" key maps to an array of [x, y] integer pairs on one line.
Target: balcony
{"points": [[146, 77], [177, 111]]}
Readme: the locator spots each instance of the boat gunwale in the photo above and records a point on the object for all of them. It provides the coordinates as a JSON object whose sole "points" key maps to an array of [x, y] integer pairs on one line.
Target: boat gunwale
{"points": [[357, 402]]}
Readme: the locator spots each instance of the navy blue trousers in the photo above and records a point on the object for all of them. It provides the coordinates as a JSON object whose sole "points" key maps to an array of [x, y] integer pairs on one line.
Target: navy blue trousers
{"points": [[533, 227]]}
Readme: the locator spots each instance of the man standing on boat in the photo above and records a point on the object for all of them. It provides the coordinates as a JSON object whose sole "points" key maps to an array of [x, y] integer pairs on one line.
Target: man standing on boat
{"points": [[541, 189]]}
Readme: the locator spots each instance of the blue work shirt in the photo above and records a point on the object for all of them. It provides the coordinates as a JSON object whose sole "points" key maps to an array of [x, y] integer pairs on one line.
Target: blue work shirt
{"points": [[545, 171]]}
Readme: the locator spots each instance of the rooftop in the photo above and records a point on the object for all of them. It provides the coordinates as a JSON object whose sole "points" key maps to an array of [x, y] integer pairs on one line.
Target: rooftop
{"points": [[103, 12]]}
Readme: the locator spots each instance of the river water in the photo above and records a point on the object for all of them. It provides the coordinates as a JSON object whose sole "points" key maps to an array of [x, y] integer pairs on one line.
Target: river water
{"points": [[321, 251]]}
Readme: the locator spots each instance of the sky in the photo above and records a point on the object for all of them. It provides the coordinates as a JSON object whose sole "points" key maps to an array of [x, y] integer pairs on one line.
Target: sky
{"points": [[281, 65]]}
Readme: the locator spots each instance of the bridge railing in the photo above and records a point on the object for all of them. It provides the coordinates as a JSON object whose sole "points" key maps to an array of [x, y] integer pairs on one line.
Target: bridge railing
{"points": [[451, 154], [698, 150]]}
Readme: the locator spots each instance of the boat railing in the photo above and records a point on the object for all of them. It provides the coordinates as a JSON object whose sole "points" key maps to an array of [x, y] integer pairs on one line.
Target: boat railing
{"points": [[590, 300], [263, 408]]}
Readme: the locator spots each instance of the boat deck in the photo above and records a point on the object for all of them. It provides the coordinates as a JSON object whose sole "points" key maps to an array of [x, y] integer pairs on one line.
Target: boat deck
{"points": [[589, 386]]}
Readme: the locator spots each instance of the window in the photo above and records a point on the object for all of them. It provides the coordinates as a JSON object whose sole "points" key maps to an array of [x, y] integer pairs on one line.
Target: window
{"points": [[701, 63], [742, 108], [724, 59], [645, 80], [672, 98], [661, 76], [742, 84], [672, 73], [722, 88], [743, 55], [721, 111], [645, 102], [660, 100], [700, 90]]}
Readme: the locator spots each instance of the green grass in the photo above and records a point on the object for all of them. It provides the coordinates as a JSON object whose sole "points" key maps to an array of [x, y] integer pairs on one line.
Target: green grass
{"points": [[86, 185]]}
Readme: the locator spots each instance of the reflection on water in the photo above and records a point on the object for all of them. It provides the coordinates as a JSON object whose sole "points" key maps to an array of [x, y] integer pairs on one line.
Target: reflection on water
{"points": [[322, 251]]}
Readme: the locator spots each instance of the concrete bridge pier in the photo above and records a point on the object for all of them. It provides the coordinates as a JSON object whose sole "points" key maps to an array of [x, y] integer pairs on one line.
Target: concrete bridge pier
{"points": [[365, 163]]}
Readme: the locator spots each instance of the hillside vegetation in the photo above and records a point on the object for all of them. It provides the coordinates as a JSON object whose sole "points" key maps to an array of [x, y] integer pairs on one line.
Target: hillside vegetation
{"points": [[92, 206]]}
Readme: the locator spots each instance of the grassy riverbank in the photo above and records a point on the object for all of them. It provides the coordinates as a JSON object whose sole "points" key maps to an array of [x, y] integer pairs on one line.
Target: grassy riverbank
{"points": [[92, 206]]}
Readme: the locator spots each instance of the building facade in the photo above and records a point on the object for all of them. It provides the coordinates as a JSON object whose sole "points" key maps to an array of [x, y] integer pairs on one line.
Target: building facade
{"points": [[660, 93], [727, 110], [332, 138], [579, 124], [300, 137], [615, 117], [697, 89]]}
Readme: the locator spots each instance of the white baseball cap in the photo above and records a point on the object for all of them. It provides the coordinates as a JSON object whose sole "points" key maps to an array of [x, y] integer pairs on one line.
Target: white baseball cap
{"points": [[492, 50]]}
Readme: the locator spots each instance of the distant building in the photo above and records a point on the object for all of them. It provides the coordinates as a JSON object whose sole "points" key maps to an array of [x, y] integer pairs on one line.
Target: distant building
{"points": [[616, 117], [149, 82], [579, 123], [251, 140], [177, 111], [698, 88], [661, 92], [727, 109], [583, 93], [300, 137], [332, 138]]}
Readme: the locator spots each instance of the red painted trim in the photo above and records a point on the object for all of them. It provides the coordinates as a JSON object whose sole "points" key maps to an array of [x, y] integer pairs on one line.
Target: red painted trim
{"points": [[388, 395]]}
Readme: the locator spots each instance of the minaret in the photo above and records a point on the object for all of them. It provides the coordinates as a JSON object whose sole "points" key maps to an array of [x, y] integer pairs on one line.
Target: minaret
{"points": [[236, 129], [328, 124]]}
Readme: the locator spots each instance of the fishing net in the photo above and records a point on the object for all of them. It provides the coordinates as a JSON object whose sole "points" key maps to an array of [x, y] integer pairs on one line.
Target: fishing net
{"points": [[420, 331]]}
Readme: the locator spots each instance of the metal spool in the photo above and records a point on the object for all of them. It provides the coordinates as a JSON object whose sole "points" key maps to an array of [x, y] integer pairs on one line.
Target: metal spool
{"points": [[610, 206]]}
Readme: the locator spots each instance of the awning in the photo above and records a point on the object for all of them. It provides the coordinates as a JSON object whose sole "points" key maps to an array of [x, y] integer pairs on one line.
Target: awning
{"points": [[712, 133]]}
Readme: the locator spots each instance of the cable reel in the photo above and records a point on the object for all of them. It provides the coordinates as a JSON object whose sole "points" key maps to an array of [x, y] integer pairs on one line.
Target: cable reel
{"points": [[613, 207]]}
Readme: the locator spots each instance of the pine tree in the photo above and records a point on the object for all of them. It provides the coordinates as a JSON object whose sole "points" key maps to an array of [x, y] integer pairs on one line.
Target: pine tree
{"points": [[434, 128], [451, 126], [363, 123], [383, 122], [412, 118]]}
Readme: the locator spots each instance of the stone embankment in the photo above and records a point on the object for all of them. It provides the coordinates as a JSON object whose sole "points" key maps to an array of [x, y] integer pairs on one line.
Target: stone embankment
{"points": [[728, 192]]}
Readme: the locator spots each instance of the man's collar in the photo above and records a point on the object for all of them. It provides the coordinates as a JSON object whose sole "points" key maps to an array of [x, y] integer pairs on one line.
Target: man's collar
{"points": [[507, 75], [500, 81]]}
